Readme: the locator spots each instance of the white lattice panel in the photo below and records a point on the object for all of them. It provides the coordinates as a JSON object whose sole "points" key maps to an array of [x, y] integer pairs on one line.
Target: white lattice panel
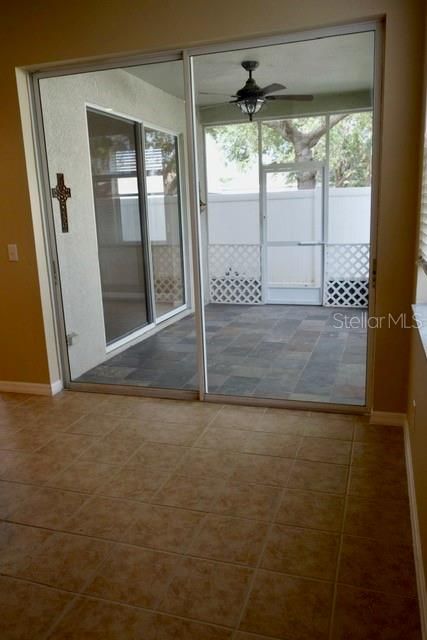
{"points": [[166, 259], [347, 260], [235, 290], [346, 275], [167, 272], [168, 289], [235, 273], [346, 293]]}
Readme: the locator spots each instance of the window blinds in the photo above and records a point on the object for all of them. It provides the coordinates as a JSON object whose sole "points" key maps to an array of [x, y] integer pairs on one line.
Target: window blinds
{"points": [[423, 214]]}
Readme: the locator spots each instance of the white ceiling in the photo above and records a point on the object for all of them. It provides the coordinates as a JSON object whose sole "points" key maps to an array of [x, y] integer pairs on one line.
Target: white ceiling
{"points": [[326, 65]]}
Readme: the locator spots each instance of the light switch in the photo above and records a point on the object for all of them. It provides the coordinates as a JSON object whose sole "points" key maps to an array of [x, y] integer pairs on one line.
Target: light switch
{"points": [[12, 251]]}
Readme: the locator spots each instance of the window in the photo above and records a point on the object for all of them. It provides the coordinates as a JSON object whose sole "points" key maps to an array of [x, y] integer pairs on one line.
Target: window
{"points": [[423, 213]]}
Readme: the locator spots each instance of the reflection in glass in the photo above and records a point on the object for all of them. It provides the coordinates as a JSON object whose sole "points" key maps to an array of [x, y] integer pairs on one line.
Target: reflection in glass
{"points": [[164, 214], [113, 144]]}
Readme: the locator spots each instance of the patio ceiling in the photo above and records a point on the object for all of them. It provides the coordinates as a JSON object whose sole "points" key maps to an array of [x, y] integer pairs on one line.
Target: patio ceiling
{"points": [[338, 64]]}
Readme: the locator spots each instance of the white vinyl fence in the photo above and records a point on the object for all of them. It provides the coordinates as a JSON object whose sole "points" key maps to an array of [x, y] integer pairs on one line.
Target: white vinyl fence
{"points": [[234, 251]]}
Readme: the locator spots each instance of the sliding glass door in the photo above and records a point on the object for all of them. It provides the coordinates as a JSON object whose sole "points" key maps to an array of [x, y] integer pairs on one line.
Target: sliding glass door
{"points": [[121, 227], [165, 220], [286, 157], [272, 145], [120, 224]]}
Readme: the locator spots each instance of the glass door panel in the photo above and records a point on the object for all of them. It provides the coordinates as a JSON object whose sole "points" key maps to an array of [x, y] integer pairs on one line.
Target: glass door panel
{"points": [[164, 215], [117, 302], [113, 151], [294, 236]]}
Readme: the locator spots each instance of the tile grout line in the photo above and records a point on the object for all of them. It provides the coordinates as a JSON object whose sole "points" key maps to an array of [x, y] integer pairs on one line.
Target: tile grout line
{"points": [[261, 555], [58, 434], [341, 542], [203, 515], [305, 366], [150, 501], [271, 524], [82, 594], [179, 463], [78, 594], [98, 492], [179, 563], [119, 603], [198, 528]]}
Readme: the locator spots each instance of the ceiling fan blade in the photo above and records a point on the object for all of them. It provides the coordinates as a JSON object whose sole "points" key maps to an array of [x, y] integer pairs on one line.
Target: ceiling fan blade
{"points": [[211, 93], [271, 88], [302, 98], [211, 106]]}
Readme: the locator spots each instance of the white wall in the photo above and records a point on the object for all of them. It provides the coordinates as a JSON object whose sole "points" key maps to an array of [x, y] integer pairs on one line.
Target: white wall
{"points": [[234, 218], [292, 215], [350, 215], [64, 113]]}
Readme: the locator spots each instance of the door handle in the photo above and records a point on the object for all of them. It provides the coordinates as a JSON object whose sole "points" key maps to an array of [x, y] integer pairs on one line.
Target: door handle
{"points": [[310, 243]]}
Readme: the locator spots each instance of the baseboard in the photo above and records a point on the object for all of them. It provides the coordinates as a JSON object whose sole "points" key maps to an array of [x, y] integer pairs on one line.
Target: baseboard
{"points": [[416, 537], [388, 418], [33, 388], [56, 387]]}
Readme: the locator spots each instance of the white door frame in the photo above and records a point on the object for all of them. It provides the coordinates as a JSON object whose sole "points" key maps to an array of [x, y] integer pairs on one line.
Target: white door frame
{"points": [[49, 267], [265, 243]]}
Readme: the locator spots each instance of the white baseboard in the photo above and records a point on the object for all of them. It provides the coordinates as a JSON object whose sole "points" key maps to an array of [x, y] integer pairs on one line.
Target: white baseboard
{"points": [[33, 388], [388, 418], [56, 387], [416, 537]]}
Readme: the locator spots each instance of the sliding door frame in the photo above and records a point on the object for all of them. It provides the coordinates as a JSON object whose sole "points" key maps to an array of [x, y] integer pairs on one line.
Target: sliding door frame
{"points": [[284, 168], [377, 27], [142, 208], [49, 233], [141, 126], [183, 236], [187, 55]]}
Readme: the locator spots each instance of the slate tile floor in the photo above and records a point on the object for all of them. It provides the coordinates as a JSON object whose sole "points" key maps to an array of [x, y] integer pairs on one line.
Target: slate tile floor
{"points": [[272, 351], [129, 518]]}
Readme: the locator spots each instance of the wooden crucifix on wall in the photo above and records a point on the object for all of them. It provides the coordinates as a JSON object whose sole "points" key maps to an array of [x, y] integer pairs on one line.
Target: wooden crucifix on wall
{"points": [[62, 193]]}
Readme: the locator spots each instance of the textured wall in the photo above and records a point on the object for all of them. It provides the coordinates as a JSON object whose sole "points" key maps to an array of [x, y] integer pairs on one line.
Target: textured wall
{"points": [[64, 102], [36, 33]]}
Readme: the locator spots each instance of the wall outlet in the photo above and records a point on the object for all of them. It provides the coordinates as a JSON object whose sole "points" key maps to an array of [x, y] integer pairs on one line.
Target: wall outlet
{"points": [[12, 252]]}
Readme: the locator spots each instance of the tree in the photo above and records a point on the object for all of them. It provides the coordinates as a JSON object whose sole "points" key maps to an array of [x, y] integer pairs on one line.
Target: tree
{"points": [[166, 145], [303, 140], [350, 151], [303, 143]]}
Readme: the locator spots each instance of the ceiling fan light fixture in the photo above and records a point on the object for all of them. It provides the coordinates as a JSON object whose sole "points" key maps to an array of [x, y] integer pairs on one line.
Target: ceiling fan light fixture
{"points": [[249, 106]]}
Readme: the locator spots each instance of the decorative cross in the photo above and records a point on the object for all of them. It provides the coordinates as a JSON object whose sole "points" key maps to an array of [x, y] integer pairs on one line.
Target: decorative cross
{"points": [[62, 193]]}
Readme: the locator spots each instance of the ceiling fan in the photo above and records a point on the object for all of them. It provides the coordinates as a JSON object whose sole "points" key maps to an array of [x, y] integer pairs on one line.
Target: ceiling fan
{"points": [[251, 98]]}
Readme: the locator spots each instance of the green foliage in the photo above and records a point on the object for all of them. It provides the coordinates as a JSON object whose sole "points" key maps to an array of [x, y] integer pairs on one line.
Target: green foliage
{"points": [[350, 145], [350, 148], [158, 140], [239, 142]]}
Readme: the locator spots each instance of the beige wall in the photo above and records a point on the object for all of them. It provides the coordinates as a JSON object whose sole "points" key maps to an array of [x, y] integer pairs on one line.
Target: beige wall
{"points": [[37, 33], [418, 434], [417, 397]]}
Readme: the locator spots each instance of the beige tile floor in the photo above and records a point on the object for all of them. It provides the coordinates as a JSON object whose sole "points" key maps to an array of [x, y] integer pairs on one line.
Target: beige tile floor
{"points": [[136, 519]]}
